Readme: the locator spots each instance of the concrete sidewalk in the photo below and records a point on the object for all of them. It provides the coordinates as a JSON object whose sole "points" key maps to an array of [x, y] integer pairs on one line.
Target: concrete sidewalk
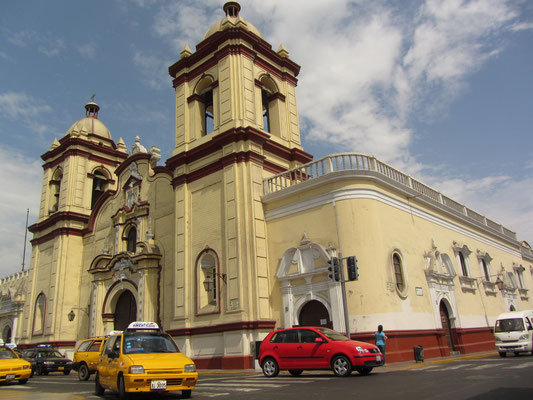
{"points": [[397, 366]]}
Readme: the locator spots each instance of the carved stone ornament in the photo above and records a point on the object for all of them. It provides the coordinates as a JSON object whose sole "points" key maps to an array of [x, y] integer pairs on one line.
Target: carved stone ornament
{"points": [[122, 264], [131, 197]]}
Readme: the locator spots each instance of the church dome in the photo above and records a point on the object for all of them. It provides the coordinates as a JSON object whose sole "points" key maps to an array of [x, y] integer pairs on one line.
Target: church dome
{"points": [[90, 124], [232, 20]]}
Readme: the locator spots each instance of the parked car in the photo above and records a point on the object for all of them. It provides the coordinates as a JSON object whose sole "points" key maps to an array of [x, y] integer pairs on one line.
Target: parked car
{"points": [[44, 359], [86, 356], [513, 332], [143, 358], [12, 367], [314, 348]]}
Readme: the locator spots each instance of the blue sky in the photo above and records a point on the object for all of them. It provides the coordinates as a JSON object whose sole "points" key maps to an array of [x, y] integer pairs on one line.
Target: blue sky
{"points": [[442, 89]]}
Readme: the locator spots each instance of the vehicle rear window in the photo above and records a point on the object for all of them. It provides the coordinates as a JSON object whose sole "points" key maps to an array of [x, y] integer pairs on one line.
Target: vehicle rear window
{"points": [[148, 342], [285, 337], [84, 346], [509, 325], [95, 346]]}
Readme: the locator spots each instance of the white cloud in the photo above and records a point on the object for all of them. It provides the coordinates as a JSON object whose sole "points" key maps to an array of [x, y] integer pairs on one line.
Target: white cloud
{"points": [[502, 199], [87, 50], [20, 105], [21, 178]]}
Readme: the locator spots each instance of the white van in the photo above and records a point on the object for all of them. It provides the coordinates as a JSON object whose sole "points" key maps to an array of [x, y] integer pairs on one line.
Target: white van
{"points": [[513, 332]]}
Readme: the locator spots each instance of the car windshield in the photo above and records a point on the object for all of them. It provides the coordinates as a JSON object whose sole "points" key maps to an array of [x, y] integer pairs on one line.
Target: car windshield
{"points": [[148, 342], [509, 325], [6, 353], [50, 354], [332, 335]]}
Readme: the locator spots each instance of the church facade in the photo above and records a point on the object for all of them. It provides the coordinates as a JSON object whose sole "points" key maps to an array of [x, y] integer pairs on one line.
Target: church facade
{"points": [[231, 237]]}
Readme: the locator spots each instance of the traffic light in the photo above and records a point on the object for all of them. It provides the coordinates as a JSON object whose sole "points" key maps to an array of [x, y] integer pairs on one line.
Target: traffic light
{"points": [[353, 273], [333, 268]]}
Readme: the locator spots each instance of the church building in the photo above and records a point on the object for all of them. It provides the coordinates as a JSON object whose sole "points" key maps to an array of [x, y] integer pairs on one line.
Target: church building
{"points": [[232, 236]]}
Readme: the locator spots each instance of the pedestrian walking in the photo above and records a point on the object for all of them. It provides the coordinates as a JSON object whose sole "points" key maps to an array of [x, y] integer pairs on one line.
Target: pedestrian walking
{"points": [[380, 341]]}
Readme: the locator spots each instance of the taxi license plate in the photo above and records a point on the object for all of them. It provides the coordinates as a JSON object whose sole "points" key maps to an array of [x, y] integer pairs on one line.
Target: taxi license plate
{"points": [[158, 385], [60, 368], [10, 377], [378, 358]]}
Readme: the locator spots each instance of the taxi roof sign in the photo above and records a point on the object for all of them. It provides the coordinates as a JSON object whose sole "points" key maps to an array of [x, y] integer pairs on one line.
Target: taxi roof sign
{"points": [[139, 325]]}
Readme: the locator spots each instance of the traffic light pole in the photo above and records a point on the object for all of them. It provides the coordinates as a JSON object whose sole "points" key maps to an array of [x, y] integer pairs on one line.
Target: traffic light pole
{"points": [[344, 300]]}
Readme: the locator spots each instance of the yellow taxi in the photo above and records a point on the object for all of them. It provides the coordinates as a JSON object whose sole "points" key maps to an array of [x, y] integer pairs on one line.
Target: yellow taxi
{"points": [[143, 358], [12, 367], [86, 356]]}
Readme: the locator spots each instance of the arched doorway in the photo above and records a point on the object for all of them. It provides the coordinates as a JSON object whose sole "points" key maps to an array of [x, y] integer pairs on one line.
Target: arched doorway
{"points": [[6, 334], [314, 313], [512, 308], [445, 320], [125, 311]]}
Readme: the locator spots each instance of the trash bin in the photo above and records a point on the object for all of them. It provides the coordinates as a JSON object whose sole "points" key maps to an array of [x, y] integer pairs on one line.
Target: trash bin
{"points": [[419, 353]]}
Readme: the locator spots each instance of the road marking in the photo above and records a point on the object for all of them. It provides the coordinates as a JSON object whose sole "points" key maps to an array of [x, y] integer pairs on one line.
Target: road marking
{"points": [[212, 394], [17, 387], [424, 368], [519, 366], [452, 367], [486, 366], [252, 385]]}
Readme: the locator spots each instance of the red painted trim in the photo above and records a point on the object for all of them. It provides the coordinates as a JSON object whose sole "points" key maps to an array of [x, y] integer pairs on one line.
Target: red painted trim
{"points": [[195, 97], [57, 232], [276, 96], [57, 217], [136, 157], [232, 326], [226, 362], [273, 62], [109, 291], [96, 208], [69, 141], [399, 346]]}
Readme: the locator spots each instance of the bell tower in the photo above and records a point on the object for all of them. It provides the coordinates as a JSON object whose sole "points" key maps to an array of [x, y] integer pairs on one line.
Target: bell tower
{"points": [[236, 124]]}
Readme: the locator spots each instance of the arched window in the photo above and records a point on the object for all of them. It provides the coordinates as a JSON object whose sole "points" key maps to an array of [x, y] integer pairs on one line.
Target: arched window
{"points": [[131, 239], [39, 314], [99, 186], [208, 280], [271, 102], [266, 116], [55, 190], [202, 103], [208, 111], [208, 275], [400, 278]]}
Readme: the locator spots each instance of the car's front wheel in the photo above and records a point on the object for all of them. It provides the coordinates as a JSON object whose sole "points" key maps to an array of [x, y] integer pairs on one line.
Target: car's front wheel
{"points": [[98, 389], [40, 370], [23, 381], [295, 372], [186, 394], [341, 366], [270, 367], [66, 372], [83, 372], [122, 389], [503, 354]]}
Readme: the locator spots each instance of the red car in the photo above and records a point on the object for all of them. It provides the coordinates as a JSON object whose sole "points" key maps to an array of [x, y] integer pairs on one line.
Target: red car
{"points": [[296, 349]]}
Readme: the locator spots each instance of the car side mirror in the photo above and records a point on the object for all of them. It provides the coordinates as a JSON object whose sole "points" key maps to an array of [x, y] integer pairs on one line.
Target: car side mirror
{"points": [[319, 340]]}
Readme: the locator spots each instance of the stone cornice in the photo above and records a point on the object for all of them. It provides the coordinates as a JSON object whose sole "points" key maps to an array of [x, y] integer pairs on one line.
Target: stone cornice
{"points": [[87, 149], [61, 216], [271, 61]]}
